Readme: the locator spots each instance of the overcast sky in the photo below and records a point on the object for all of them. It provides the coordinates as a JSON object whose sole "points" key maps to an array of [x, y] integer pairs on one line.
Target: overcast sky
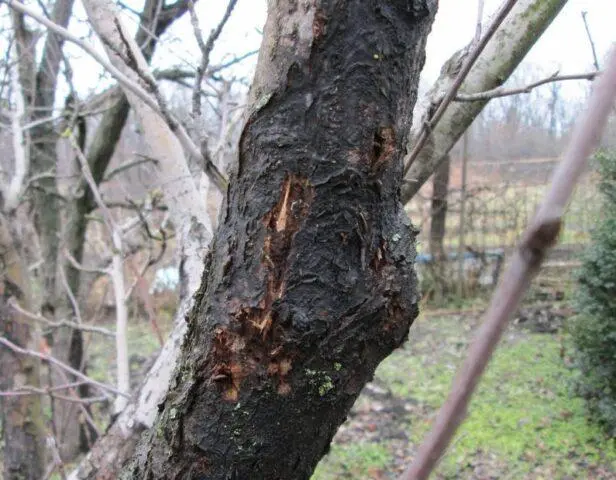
{"points": [[563, 47]]}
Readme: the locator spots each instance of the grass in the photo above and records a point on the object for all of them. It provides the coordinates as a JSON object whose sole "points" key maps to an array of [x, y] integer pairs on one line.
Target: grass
{"points": [[523, 422]]}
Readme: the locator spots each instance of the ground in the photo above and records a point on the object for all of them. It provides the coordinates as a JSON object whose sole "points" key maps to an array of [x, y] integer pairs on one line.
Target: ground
{"points": [[523, 422]]}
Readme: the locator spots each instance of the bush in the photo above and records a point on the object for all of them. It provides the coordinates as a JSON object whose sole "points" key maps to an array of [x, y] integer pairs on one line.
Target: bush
{"points": [[594, 329]]}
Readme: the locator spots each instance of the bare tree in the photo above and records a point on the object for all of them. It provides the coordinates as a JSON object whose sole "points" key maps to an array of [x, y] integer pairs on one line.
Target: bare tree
{"points": [[258, 345], [311, 210]]}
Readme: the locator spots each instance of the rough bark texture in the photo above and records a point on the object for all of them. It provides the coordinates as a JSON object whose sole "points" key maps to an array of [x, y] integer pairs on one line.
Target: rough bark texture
{"points": [[515, 37], [22, 415], [310, 282]]}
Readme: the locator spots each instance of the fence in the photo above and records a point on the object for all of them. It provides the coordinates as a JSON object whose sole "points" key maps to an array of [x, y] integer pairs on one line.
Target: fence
{"points": [[499, 201]]}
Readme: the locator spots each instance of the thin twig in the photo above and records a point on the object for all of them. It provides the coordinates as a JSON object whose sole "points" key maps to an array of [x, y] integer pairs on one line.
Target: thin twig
{"points": [[504, 92], [541, 234], [429, 125], [592, 43], [30, 390], [128, 165], [61, 365], [61, 323], [206, 48]]}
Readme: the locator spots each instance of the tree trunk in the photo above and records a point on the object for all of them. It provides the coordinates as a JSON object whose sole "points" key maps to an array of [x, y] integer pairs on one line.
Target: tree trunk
{"points": [[310, 283], [514, 38], [22, 415], [438, 214], [438, 219]]}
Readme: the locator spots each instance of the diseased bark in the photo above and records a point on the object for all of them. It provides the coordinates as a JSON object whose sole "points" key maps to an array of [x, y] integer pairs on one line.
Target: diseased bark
{"points": [[23, 426], [310, 281], [515, 37]]}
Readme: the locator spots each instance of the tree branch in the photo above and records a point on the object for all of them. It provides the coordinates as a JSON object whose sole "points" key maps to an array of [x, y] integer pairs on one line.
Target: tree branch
{"points": [[539, 237], [517, 34], [453, 90], [592, 43], [206, 48], [62, 323], [152, 100], [48, 358], [504, 92]]}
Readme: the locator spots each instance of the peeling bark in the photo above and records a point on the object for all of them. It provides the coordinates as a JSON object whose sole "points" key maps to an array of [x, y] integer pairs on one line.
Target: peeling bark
{"points": [[310, 281]]}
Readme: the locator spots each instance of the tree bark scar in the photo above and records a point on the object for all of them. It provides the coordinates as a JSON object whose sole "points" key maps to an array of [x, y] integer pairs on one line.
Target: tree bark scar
{"points": [[254, 344], [311, 282], [383, 148], [282, 223]]}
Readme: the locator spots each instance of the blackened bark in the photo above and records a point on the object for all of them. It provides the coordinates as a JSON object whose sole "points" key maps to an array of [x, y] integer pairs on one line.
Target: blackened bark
{"points": [[310, 281]]}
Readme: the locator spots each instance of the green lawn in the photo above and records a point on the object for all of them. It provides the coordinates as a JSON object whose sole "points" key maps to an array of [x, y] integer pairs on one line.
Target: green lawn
{"points": [[523, 422]]}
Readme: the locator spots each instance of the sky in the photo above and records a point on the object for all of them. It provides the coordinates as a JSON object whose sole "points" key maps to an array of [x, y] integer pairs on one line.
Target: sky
{"points": [[563, 47]]}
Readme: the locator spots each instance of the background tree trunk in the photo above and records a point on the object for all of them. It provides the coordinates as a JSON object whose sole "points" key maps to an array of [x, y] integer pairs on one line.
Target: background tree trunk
{"points": [[438, 220], [310, 282], [23, 425], [438, 215]]}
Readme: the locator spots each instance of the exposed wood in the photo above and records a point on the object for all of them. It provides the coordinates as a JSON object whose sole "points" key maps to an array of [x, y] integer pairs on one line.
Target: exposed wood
{"points": [[310, 282]]}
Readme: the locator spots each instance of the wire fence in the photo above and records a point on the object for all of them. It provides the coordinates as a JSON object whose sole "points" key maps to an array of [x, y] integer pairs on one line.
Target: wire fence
{"points": [[499, 201]]}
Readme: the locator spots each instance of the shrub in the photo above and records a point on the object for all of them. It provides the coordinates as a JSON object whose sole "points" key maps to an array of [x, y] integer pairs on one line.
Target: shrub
{"points": [[594, 328]]}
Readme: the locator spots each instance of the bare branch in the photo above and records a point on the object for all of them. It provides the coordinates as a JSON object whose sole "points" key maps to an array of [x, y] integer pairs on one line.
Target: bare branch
{"points": [[504, 92], [206, 49], [30, 390], [592, 43], [48, 358], [61, 323], [153, 100], [128, 165], [515, 37], [117, 279], [20, 144], [539, 237], [450, 95]]}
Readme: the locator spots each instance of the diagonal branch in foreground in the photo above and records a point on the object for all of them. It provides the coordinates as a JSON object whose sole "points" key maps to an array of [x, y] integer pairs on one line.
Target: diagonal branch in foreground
{"points": [[539, 237]]}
